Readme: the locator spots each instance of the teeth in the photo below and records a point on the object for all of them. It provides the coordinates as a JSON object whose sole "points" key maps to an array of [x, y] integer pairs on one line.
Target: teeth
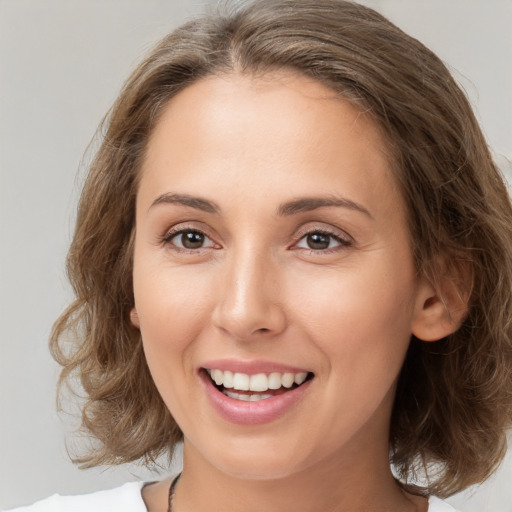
{"points": [[247, 398], [241, 381], [274, 381], [259, 382], [227, 380], [288, 379], [218, 377], [300, 378]]}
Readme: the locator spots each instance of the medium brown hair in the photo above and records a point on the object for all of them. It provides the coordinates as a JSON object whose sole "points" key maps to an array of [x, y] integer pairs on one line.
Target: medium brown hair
{"points": [[454, 397]]}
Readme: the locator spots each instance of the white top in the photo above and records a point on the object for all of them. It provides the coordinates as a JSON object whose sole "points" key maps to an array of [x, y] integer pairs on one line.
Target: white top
{"points": [[128, 498]]}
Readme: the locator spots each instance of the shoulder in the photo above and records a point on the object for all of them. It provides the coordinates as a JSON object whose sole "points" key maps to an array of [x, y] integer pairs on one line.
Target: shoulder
{"points": [[126, 498], [437, 505]]}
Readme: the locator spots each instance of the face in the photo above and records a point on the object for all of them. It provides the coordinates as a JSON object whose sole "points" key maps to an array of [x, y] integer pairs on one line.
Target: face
{"points": [[272, 252]]}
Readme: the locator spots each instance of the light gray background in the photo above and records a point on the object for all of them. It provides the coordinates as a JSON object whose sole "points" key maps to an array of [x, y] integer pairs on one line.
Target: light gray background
{"points": [[62, 63]]}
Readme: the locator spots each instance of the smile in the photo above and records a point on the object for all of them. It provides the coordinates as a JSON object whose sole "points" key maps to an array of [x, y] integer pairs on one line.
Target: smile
{"points": [[253, 387], [254, 398]]}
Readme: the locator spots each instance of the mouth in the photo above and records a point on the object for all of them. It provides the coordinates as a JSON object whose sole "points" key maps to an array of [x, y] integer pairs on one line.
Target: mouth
{"points": [[255, 387]]}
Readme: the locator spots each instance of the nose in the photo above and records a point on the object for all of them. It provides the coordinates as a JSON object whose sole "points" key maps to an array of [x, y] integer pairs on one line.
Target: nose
{"points": [[250, 299]]}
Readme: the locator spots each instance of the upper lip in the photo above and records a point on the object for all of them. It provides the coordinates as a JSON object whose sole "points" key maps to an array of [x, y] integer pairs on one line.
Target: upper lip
{"points": [[251, 367]]}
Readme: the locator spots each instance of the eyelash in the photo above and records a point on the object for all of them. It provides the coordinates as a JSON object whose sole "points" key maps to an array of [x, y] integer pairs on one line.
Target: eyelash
{"points": [[170, 235], [343, 243]]}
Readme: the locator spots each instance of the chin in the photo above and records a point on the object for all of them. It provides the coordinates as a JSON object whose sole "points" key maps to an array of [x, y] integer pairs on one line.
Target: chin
{"points": [[258, 463]]}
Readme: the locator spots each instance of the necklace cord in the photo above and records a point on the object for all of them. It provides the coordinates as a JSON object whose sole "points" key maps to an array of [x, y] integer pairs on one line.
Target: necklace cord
{"points": [[171, 493]]}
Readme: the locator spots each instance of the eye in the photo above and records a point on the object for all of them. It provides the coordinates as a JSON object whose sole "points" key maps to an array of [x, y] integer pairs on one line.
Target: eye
{"points": [[189, 239], [321, 241]]}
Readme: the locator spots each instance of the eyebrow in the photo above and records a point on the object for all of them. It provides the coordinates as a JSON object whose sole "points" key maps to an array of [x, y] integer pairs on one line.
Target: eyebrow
{"points": [[307, 204], [293, 207], [187, 200]]}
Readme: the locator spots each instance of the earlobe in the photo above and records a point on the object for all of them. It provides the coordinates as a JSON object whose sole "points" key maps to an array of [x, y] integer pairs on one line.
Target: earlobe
{"points": [[134, 317], [440, 310]]}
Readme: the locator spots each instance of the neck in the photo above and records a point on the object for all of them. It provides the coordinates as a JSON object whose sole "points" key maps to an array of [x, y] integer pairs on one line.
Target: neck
{"points": [[335, 485]]}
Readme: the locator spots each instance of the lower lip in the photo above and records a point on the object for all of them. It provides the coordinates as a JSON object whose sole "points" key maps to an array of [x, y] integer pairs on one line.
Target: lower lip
{"points": [[252, 413]]}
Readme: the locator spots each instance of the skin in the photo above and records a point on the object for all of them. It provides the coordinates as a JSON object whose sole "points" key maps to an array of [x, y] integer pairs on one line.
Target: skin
{"points": [[256, 290]]}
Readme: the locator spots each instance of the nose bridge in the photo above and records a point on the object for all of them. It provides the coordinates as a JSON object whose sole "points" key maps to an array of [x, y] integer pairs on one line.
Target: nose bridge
{"points": [[249, 300]]}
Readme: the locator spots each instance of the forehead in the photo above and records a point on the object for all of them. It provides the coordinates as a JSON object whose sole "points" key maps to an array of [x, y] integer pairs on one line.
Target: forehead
{"points": [[279, 99], [240, 129]]}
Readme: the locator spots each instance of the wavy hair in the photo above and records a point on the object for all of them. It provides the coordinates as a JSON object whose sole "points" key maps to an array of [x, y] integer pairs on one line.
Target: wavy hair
{"points": [[454, 398]]}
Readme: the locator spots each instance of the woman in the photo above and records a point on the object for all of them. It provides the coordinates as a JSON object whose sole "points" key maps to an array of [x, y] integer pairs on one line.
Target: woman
{"points": [[292, 253]]}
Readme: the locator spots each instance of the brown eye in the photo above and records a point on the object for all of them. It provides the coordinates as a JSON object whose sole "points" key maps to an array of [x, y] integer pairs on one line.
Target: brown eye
{"points": [[322, 241], [318, 241], [190, 239]]}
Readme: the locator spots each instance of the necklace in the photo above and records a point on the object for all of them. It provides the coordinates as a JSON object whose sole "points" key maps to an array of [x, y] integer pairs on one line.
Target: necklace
{"points": [[172, 489], [171, 492]]}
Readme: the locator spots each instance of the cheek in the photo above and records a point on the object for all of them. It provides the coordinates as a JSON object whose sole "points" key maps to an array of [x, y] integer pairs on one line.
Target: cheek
{"points": [[171, 319], [358, 317], [362, 326], [171, 308], [170, 299]]}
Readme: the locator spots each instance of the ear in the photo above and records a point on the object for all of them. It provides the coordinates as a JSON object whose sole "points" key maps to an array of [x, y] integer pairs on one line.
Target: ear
{"points": [[134, 318], [442, 306]]}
